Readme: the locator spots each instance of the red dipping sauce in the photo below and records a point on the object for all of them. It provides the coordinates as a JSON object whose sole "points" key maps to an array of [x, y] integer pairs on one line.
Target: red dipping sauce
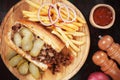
{"points": [[102, 16]]}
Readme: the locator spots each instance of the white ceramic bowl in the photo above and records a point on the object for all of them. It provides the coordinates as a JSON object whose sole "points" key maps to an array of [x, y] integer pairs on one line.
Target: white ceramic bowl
{"points": [[91, 19]]}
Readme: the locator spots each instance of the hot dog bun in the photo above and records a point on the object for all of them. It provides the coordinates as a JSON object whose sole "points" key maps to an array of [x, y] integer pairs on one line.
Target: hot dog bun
{"points": [[38, 30]]}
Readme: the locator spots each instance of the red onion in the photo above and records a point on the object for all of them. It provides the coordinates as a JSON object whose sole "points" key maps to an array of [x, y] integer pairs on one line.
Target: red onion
{"points": [[68, 14], [61, 5], [98, 76], [49, 15], [45, 4], [68, 9], [73, 19], [57, 7]]}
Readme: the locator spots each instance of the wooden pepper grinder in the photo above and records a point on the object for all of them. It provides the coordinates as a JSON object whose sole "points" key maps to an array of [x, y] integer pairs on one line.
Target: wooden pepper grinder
{"points": [[113, 49], [108, 66]]}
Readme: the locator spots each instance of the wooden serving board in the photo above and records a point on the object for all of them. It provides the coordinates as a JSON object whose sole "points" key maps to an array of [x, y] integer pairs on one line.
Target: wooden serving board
{"points": [[14, 14]]}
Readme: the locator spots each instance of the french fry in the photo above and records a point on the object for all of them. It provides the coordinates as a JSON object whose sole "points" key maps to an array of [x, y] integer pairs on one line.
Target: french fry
{"points": [[29, 12], [53, 11], [72, 15], [44, 19], [80, 42], [63, 11], [70, 36], [67, 45], [33, 15], [54, 17], [81, 20], [33, 19], [75, 33], [51, 28], [77, 24], [33, 4], [64, 14], [64, 27], [46, 22], [30, 15], [43, 13], [68, 40], [37, 6], [61, 37], [73, 52], [70, 25]]}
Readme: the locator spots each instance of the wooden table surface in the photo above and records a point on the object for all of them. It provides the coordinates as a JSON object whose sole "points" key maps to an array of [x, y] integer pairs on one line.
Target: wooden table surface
{"points": [[84, 6]]}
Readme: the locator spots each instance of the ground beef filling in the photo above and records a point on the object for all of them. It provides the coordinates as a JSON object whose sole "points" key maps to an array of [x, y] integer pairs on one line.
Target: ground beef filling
{"points": [[53, 59]]}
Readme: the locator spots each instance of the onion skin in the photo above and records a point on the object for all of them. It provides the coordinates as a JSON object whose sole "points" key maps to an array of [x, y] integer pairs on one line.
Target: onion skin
{"points": [[98, 76]]}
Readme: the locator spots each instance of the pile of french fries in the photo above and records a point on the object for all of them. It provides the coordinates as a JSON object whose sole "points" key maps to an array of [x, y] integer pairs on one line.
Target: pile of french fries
{"points": [[67, 32]]}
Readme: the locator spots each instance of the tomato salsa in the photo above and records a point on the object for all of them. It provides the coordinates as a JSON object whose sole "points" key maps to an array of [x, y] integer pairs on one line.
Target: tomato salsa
{"points": [[102, 16]]}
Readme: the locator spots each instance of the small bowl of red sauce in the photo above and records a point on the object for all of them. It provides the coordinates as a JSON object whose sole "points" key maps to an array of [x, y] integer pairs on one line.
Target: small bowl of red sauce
{"points": [[102, 16]]}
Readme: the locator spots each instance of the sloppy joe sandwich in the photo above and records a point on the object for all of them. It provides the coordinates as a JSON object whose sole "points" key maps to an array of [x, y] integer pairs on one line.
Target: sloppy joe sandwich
{"points": [[33, 42]]}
